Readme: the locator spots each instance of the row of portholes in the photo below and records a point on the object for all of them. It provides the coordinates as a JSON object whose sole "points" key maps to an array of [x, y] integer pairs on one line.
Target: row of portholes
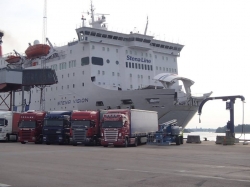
{"points": [[108, 61]]}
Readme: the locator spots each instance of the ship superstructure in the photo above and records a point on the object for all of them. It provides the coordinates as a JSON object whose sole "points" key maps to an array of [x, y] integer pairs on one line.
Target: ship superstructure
{"points": [[103, 69]]}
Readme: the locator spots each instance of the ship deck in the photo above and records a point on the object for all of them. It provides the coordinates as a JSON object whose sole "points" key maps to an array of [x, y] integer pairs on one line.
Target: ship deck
{"points": [[205, 164]]}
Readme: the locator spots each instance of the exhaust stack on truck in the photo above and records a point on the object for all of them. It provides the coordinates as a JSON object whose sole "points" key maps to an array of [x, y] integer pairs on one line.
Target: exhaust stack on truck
{"points": [[123, 127]]}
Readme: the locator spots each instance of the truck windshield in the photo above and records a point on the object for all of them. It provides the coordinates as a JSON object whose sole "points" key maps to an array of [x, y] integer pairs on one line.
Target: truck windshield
{"points": [[27, 124], [84, 123], [51, 122], [1, 122], [112, 124]]}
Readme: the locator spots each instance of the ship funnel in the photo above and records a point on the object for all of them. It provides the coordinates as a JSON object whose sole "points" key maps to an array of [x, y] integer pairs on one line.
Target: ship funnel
{"points": [[1, 35]]}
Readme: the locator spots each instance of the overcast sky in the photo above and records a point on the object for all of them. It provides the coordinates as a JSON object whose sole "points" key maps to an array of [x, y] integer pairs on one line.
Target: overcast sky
{"points": [[216, 35]]}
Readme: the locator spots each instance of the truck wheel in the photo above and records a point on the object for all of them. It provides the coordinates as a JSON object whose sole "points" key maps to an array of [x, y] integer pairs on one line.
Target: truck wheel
{"points": [[136, 142], [47, 143], [7, 138], [181, 139], [23, 142], [126, 143], [177, 140]]}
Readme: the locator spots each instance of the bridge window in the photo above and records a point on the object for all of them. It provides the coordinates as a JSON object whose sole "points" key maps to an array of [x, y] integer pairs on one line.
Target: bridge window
{"points": [[85, 61], [126, 64], [97, 61]]}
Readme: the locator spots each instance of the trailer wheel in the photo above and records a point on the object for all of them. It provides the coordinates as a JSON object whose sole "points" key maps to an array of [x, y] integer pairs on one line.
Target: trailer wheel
{"points": [[181, 139], [177, 140]]}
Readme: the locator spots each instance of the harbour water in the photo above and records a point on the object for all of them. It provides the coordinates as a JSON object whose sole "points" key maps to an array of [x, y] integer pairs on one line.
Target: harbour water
{"points": [[211, 136]]}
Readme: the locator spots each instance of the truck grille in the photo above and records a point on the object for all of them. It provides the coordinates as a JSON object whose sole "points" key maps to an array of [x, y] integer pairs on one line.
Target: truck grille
{"points": [[25, 134], [79, 135], [52, 138], [110, 135]]}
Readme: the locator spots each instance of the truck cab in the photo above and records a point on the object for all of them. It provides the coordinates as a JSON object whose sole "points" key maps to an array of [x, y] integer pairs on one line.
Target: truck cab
{"points": [[9, 126], [85, 127], [115, 129], [30, 127], [56, 128]]}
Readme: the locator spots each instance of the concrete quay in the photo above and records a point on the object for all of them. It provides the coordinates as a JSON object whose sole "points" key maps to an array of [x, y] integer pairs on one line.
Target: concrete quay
{"points": [[199, 165]]}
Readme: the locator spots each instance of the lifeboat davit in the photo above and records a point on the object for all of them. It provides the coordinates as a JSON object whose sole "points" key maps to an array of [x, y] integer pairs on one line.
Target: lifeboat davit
{"points": [[37, 50], [13, 59]]}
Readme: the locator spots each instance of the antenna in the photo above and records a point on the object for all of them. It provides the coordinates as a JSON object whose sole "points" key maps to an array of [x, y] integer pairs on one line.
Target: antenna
{"points": [[145, 32], [43, 60]]}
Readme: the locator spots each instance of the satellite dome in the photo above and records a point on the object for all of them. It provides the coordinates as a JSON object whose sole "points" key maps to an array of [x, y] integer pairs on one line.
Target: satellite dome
{"points": [[36, 42]]}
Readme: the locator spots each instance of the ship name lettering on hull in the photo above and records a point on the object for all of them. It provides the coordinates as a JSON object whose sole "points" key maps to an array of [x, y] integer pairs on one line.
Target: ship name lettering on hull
{"points": [[83, 100]]}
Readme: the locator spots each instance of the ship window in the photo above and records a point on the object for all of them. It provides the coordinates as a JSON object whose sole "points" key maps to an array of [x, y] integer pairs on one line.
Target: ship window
{"points": [[103, 72], [160, 68], [138, 76], [99, 103], [70, 51], [138, 39], [93, 47], [62, 76], [118, 74], [157, 45], [93, 33], [116, 50], [142, 67], [104, 35], [146, 54], [153, 100], [166, 46], [126, 51], [127, 101], [68, 74], [148, 67], [162, 46], [113, 73], [133, 65], [148, 77], [103, 48], [93, 79], [107, 61], [120, 38], [166, 69], [139, 66], [162, 57], [163, 69], [83, 48], [156, 67], [99, 72], [130, 74], [62, 87], [85, 61], [126, 64], [117, 62], [110, 36], [170, 47], [83, 84], [68, 86], [107, 49], [131, 86], [145, 67], [86, 32], [130, 52], [97, 61], [166, 58], [83, 72], [141, 76], [129, 64], [98, 35], [73, 74], [146, 41]]}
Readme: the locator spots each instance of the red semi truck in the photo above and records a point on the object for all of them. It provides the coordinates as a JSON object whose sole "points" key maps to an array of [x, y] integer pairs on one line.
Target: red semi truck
{"points": [[123, 127], [85, 127], [30, 127]]}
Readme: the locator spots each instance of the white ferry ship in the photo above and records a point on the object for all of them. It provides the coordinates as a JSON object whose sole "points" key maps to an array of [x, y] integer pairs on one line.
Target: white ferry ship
{"points": [[103, 69]]}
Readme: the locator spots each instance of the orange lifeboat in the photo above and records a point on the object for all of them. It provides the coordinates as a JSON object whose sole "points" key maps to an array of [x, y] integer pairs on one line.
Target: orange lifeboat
{"points": [[37, 50], [13, 59]]}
